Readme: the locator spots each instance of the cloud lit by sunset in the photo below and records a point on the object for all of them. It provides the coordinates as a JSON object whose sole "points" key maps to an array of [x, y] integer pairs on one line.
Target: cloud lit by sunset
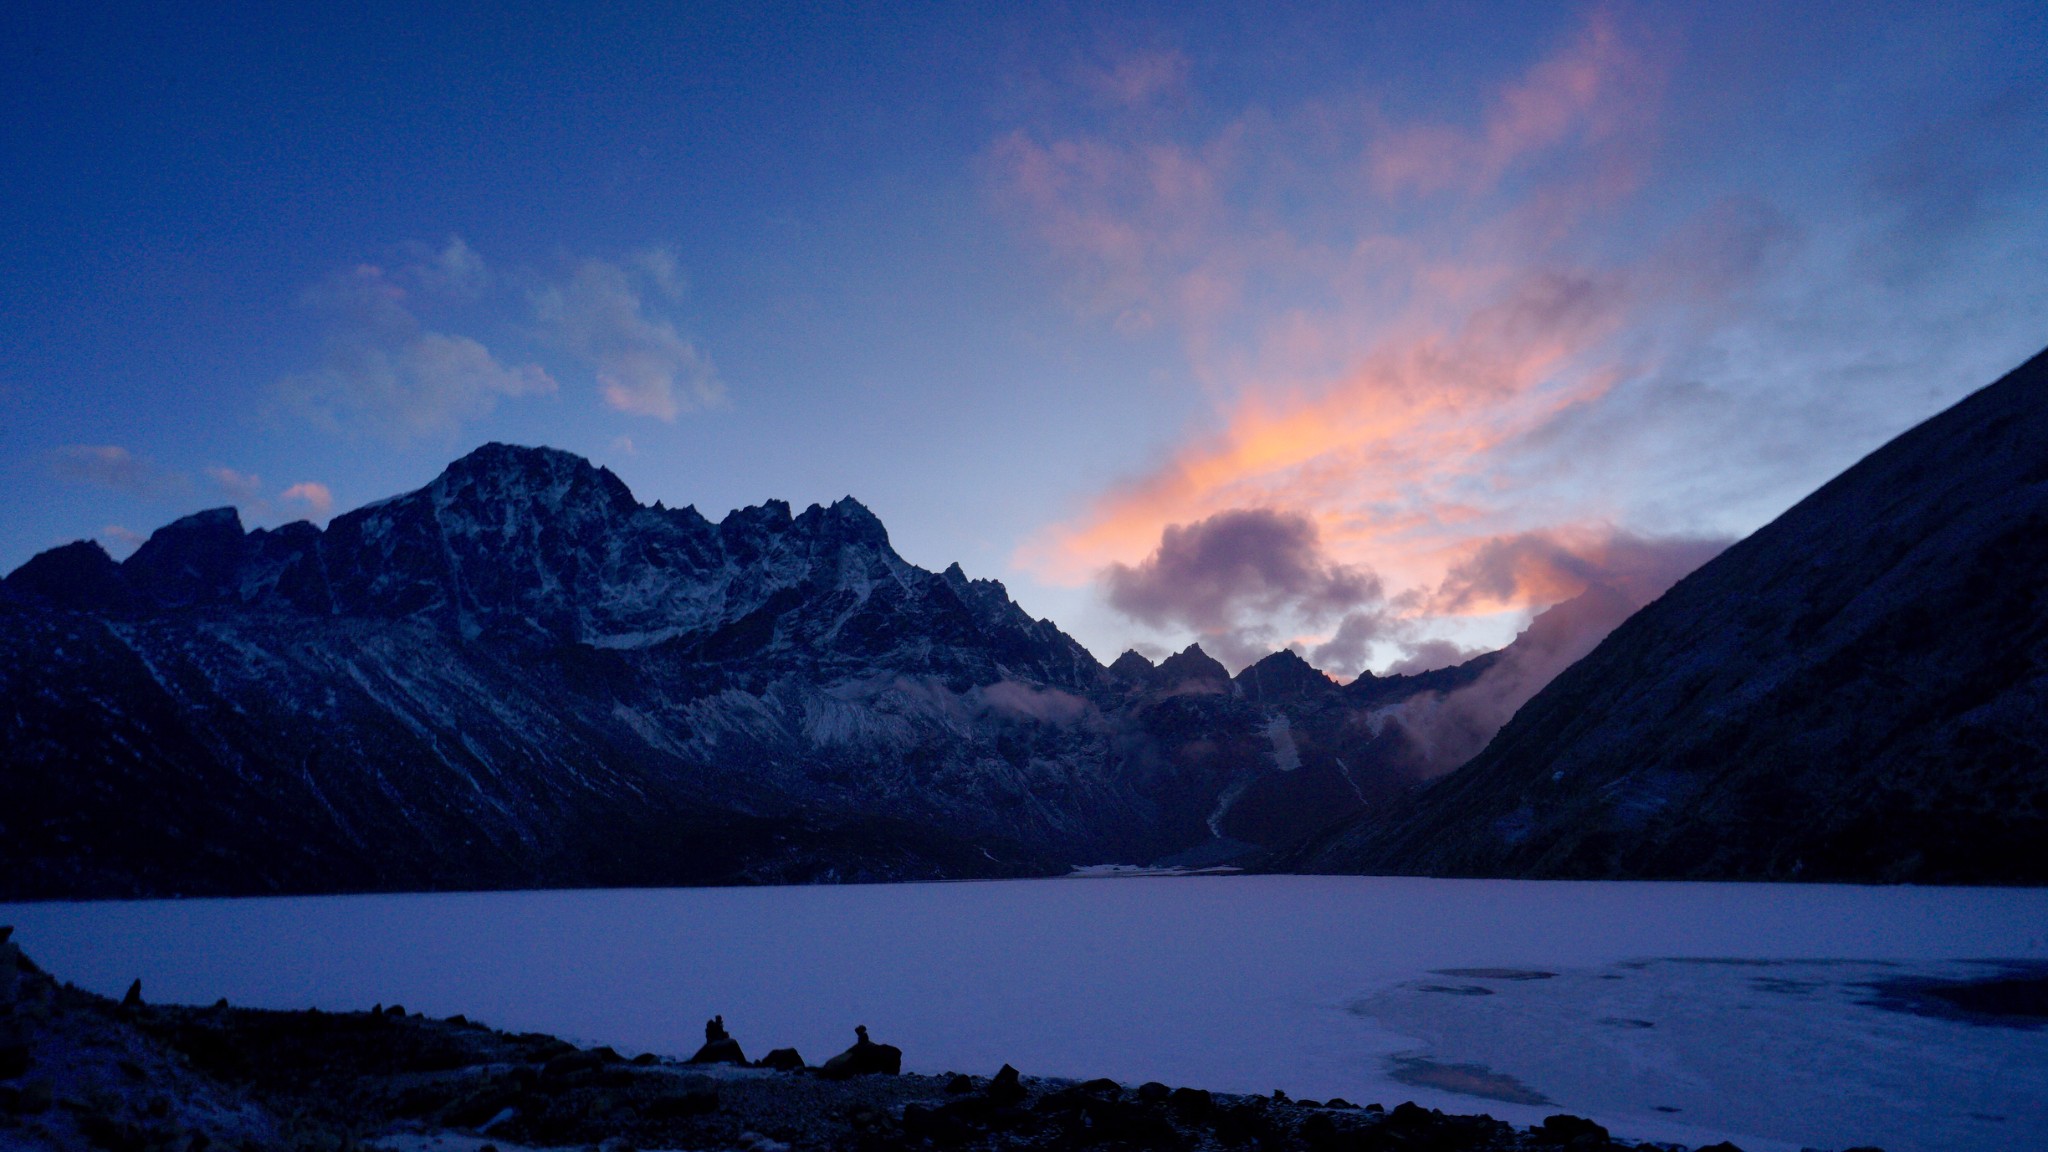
{"points": [[1481, 305]]}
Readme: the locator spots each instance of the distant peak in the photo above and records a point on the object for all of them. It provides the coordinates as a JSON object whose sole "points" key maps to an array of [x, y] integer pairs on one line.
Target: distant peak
{"points": [[1133, 666], [1281, 674], [223, 517], [497, 454], [508, 470], [1191, 663], [78, 575]]}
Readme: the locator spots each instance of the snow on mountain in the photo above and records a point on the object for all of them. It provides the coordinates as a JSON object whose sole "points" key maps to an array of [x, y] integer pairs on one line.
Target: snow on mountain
{"points": [[519, 675]]}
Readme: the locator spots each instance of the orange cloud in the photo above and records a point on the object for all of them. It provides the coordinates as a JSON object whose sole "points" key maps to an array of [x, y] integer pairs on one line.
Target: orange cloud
{"points": [[1383, 455], [1378, 309]]}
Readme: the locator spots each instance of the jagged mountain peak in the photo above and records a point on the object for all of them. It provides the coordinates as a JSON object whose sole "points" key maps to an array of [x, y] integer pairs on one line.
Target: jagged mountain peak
{"points": [[1133, 666], [514, 476], [78, 575], [846, 520], [1281, 675], [191, 559], [1190, 664], [540, 544]]}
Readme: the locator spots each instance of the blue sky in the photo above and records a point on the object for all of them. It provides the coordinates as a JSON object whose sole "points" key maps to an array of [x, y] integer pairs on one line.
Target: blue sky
{"points": [[1405, 320]]}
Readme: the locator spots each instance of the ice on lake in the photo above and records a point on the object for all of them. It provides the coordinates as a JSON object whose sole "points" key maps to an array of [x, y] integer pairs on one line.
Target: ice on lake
{"points": [[1776, 1016]]}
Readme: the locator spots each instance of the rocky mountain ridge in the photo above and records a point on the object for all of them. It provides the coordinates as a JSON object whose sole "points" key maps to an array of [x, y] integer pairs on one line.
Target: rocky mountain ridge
{"points": [[519, 675]]}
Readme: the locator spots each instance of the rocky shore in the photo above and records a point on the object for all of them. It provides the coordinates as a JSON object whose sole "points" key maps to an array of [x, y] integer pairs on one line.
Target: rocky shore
{"points": [[80, 1071]]}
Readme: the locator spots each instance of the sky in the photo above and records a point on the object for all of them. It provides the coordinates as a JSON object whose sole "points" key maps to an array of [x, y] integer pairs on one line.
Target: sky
{"points": [[1367, 330]]}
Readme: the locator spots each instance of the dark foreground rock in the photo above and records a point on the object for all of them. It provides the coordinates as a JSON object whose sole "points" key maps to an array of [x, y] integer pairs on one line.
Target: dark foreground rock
{"points": [[79, 1071]]}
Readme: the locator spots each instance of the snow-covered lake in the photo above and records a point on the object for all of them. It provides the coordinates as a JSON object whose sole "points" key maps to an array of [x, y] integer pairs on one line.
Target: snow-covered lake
{"points": [[1769, 1015]]}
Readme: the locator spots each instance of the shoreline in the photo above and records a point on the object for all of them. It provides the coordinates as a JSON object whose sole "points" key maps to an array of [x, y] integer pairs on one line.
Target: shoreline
{"points": [[81, 1071]]}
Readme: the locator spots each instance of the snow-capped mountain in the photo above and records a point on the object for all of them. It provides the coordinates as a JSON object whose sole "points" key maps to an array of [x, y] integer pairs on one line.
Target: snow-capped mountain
{"points": [[520, 675]]}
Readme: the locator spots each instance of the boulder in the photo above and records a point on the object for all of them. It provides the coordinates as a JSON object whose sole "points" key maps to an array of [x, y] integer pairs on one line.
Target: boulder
{"points": [[865, 1058], [1004, 1088], [1571, 1130], [783, 1060], [719, 1046]]}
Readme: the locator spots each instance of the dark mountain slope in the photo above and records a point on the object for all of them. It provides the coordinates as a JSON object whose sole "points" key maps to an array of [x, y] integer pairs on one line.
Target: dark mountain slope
{"points": [[1858, 691], [520, 676]]}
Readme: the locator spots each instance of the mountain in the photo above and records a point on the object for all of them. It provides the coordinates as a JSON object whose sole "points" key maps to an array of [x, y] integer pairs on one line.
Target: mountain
{"points": [[520, 676], [1858, 691]]}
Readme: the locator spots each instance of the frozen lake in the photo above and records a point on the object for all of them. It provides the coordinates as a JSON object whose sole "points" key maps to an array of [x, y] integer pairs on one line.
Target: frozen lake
{"points": [[1775, 1016]]}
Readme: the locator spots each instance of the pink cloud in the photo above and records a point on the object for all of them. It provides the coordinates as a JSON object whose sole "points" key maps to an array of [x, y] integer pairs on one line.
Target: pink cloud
{"points": [[1594, 94], [1378, 311], [317, 499], [240, 487], [1138, 79]]}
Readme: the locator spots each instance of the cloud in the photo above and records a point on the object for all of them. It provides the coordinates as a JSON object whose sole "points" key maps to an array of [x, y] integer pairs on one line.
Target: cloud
{"points": [[1594, 579], [1371, 364], [1236, 578], [1595, 94], [1554, 565], [1446, 729], [1429, 655], [644, 365], [1349, 650], [239, 487], [1138, 79], [317, 500], [115, 468], [1020, 701], [454, 270], [385, 373], [1392, 455]]}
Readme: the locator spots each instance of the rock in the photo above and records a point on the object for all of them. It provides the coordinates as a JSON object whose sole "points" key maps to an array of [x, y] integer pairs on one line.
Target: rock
{"points": [[940, 1127], [1563, 1129], [691, 1096], [960, 1084], [134, 997], [1153, 1092], [646, 1059], [14, 1060], [1192, 1101], [865, 1058], [1103, 1086], [570, 1063], [1319, 1131], [1005, 1088], [719, 1046], [783, 1060], [32, 1100], [1338, 1102]]}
